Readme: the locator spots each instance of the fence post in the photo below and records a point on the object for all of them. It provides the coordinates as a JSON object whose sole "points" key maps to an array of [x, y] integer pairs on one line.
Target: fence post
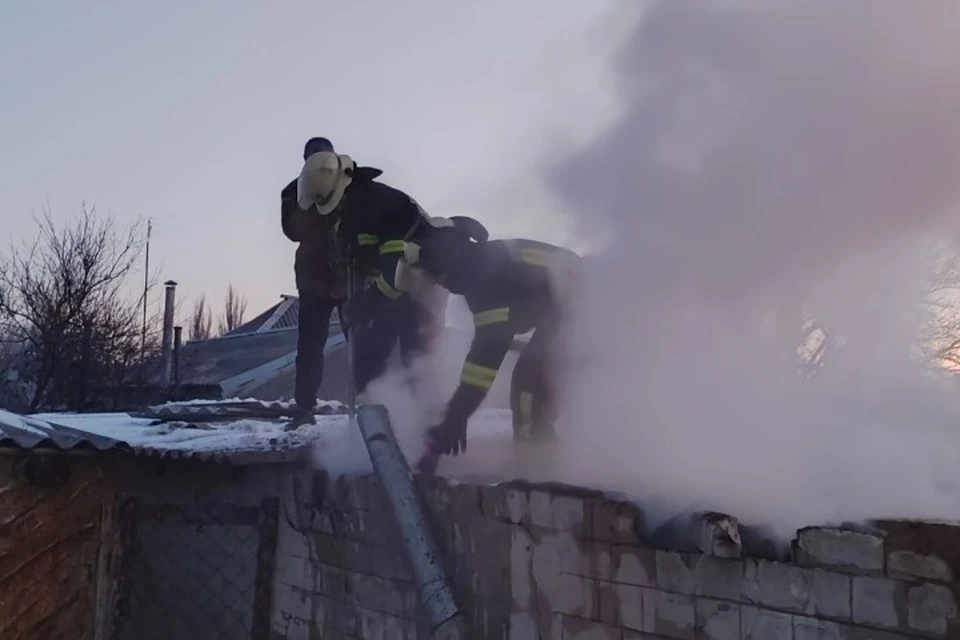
{"points": [[445, 618]]}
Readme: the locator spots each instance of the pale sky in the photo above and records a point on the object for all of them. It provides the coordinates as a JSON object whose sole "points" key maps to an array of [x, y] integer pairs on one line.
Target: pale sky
{"points": [[194, 114]]}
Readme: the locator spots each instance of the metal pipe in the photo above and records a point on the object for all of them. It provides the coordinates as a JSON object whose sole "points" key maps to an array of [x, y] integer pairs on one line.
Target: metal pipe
{"points": [[351, 340], [146, 291], [391, 467], [167, 338], [177, 343]]}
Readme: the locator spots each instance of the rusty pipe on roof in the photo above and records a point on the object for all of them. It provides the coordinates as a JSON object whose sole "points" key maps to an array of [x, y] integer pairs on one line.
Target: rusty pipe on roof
{"points": [[436, 595]]}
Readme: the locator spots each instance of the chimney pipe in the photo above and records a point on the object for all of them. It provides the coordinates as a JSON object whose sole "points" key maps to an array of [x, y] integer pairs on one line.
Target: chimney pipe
{"points": [[166, 352], [177, 343]]}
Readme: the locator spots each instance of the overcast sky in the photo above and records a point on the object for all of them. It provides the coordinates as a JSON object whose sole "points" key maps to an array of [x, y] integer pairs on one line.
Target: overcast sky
{"points": [[195, 113]]}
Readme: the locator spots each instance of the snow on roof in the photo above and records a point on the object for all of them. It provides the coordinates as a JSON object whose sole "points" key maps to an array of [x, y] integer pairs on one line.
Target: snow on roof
{"points": [[29, 432], [243, 440], [12, 421], [238, 440]]}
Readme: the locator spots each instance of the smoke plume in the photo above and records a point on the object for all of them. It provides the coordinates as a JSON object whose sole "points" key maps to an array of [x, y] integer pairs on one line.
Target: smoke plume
{"points": [[773, 158]]}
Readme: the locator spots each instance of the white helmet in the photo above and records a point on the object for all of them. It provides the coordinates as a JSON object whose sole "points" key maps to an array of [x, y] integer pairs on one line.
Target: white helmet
{"points": [[323, 179]]}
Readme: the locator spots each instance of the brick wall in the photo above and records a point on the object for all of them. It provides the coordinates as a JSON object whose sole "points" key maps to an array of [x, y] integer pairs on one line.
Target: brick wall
{"points": [[556, 562]]}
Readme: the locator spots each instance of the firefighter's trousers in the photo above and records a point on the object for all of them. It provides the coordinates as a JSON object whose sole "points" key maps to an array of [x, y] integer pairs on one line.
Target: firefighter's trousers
{"points": [[533, 399], [385, 323]]}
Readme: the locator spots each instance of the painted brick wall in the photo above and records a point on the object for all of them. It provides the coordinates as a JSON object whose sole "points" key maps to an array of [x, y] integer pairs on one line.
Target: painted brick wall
{"points": [[556, 562]]}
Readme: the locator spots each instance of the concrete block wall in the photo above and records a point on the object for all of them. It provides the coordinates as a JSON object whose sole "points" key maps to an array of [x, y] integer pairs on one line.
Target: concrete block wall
{"points": [[541, 561]]}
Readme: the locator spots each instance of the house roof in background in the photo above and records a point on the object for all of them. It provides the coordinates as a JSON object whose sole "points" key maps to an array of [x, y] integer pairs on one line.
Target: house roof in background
{"points": [[336, 377], [258, 358], [246, 360], [283, 315], [210, 362]]}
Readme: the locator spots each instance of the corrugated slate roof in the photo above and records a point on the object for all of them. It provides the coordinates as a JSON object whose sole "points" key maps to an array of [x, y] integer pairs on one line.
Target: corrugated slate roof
{"points": [[239, 440], [235, 458], [23, 432], [214, 410]]}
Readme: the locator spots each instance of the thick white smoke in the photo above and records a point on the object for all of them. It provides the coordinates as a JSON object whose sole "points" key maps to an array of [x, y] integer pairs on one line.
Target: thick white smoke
{"points": [[415, 398], [774, 157]]}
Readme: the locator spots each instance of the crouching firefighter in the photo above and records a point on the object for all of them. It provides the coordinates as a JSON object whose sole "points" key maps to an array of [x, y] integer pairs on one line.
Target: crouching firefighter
{"points": [[372, 220], [512, 287]]}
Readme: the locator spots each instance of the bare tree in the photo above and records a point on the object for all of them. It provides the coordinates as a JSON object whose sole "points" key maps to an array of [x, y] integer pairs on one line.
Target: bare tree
{"points": [[201, 321], [938, 339], [11, 390], [940, 335], [234, 308], [64, 299]]}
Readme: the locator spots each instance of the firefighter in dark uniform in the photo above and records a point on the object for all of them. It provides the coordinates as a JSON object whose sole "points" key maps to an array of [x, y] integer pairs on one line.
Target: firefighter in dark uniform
{"points": [[373, 219], [321, 275], [512, 287]]}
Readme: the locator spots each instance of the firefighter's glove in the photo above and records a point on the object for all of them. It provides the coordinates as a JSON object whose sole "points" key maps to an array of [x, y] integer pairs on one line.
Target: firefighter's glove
{"points": [[449, 437]]}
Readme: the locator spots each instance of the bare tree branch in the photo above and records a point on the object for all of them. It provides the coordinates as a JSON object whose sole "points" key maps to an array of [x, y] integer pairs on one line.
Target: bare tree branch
{"points": [[234, 308], [67, 299], [201, 321], [939, 343]]}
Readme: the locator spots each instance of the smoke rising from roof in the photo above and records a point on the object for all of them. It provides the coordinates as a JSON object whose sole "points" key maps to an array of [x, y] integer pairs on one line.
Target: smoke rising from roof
{"points": [[773, 158]]}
